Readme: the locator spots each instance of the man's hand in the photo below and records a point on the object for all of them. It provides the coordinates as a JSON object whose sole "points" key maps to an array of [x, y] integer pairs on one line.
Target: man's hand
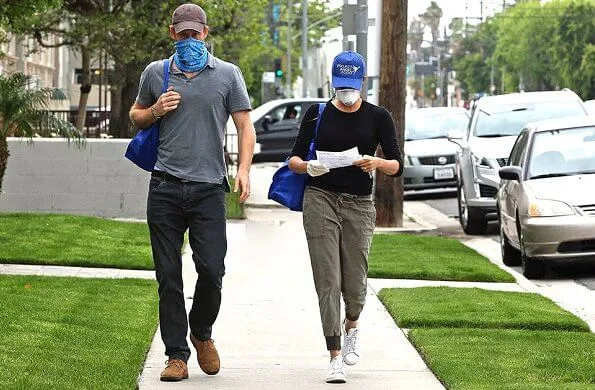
{"points": [[316, 168], [368, 163], [168, 101], [243, 183]]}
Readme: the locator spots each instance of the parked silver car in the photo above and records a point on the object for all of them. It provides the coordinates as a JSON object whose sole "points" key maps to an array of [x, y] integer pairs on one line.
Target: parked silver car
{"points": [[493, 128], [429, 156], [546, 201]]}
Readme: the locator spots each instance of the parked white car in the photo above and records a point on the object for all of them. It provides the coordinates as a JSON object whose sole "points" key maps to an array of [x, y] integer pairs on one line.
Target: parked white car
{"points": [[429, 160]]}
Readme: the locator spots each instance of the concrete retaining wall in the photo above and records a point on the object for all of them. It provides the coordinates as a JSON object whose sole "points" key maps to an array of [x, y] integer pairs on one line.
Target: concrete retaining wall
{"points": [[52, 175]]}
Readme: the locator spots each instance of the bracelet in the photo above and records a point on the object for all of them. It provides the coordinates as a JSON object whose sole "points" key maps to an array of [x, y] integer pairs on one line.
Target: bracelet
{"points": [[155, 114]]}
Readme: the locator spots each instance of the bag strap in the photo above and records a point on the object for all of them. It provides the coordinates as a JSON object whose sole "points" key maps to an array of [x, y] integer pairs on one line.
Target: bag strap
{"points": [[321, 107], [165, 75]]}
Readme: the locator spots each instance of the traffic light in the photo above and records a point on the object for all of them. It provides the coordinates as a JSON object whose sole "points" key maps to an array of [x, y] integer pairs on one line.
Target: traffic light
{"points": [[278, 70]]}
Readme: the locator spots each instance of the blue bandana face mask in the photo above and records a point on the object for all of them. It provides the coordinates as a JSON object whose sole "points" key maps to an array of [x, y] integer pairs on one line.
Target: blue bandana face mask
{"points": [[191, 55]]}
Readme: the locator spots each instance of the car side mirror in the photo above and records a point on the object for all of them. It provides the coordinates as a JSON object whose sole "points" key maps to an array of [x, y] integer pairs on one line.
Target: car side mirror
{"points": [[510, 172], [266, 121]]}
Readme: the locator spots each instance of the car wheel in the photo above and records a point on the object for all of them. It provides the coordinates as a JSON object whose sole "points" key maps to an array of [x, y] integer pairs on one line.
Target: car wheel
{"points": [[510, 255], [532, 268], [472, 220]]}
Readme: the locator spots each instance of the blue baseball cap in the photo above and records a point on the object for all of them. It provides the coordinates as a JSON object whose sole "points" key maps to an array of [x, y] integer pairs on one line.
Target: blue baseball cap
{"points": [[348, 71]]}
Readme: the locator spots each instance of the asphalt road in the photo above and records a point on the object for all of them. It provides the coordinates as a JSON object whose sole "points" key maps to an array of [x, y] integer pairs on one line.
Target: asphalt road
{"points": [[446, 202]]}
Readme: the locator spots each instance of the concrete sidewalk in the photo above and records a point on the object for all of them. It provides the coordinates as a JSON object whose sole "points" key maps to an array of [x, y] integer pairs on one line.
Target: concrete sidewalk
{"points": [[268, 332]]}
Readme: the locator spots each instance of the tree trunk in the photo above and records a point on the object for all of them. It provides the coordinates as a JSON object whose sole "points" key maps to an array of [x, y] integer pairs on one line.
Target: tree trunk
{"points": [[85, 89], [393, 62], [4, 153], [129, 91], [116, 111]]}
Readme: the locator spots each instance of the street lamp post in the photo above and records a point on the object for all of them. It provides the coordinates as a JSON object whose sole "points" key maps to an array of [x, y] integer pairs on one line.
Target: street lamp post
{"points": [[304, 47], [288, 90]]}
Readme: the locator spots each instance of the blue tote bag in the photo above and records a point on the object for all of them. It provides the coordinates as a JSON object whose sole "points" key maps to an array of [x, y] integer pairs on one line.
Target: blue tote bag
{"points": [[288, 187], [142, 150]]}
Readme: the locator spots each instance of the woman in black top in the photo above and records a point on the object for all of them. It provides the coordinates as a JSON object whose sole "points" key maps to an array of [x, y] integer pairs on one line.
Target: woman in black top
{"points": [[339, 214]]}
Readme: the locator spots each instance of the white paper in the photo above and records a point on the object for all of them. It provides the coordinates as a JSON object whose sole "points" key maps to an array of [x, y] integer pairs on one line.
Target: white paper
{"points": [[338, 159]]}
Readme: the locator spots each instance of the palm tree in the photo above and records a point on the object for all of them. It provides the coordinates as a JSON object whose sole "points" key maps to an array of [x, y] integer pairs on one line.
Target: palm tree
{"points": [[23, 113]]}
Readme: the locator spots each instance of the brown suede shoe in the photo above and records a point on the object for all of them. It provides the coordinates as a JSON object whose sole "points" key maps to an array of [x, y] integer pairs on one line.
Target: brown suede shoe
{"points": [[174, 371], [208, 358]]}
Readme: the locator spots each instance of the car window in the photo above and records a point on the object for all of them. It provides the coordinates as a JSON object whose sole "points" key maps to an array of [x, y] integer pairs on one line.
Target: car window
{"points": [[518, 151], [286, 112], [421, 125], [510, 119], [563, 152]]}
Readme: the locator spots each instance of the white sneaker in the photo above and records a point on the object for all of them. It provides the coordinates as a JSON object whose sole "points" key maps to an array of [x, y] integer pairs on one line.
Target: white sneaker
{"points": [[336, 371], [350, 351]]}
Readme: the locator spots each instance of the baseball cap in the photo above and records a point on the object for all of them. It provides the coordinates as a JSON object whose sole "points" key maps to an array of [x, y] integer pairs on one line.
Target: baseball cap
{"points": [[348, 70], [188, 17]]}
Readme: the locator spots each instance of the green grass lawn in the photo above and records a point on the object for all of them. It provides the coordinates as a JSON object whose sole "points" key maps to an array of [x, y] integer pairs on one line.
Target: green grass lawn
{"points": [[68, 333], [436, 307], [477, 359], [407, 256], [57, 239]]}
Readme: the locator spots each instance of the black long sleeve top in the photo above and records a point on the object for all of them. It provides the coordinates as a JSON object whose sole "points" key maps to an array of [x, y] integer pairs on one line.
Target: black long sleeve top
{"points": [[365, 129]]}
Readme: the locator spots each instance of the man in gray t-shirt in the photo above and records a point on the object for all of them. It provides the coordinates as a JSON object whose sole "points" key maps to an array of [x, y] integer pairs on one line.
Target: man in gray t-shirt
{"points": [[188, 183]]}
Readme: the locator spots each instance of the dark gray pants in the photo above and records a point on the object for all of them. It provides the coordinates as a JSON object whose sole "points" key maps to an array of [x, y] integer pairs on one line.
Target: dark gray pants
{"points": [[339, 229], [173, 207]]}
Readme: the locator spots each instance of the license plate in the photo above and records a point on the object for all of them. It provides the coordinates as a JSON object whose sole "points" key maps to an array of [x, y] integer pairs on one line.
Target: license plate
{"points": [[444, 173]]}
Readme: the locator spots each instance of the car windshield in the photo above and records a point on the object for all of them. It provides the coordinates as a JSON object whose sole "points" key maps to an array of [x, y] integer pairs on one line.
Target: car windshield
{"points": [[420, 125], [510, 119], [562, 153]]}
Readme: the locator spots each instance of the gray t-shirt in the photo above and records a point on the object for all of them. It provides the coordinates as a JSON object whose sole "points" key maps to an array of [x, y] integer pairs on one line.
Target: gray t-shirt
{"points": [[191, 137]]}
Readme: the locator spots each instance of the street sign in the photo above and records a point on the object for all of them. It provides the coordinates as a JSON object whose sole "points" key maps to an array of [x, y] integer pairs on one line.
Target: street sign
{"points": [[268, 77], [348, 19]]}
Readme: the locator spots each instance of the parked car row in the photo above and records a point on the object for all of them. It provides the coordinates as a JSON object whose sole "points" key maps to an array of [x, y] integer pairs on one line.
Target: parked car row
{"points": [[493, 128], [524, 160]]}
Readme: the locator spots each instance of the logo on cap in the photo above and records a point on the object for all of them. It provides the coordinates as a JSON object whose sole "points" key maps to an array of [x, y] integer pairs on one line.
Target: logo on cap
{"points": [[347, 70]]}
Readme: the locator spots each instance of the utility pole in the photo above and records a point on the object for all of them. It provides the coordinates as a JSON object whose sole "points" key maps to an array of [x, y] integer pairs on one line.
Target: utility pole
{"points": [[345, 34], [288, 90], [393, 62], [444, 70], [361, 26], [304, 47], [481, 10]]}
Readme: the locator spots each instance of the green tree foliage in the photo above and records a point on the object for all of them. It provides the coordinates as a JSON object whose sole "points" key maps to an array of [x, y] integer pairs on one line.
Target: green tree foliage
{"points": [[571, 49], [16, 16], [415, 34], [431, 18], [473, 56], [23, 114], [535, 47], [134, 32]]}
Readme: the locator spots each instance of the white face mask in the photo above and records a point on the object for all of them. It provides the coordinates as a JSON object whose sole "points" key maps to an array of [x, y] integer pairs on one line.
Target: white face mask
{"points": [[347, 96]]}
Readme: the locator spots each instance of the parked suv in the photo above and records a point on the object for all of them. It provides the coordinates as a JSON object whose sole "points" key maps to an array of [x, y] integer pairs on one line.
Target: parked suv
{"points": [[493, 128]]}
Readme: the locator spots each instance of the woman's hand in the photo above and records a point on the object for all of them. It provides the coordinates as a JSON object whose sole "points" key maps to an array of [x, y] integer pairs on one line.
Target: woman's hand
{"points": [[368, 163]]}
